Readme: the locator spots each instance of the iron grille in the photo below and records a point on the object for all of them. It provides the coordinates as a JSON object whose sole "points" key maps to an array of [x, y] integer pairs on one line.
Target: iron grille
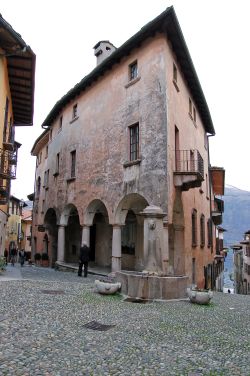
{"points": [[8, 162], [189, 161]]}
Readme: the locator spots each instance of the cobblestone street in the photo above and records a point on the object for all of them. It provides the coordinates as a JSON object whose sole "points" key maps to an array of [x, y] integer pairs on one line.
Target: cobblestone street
{"points": [[42, 318]]}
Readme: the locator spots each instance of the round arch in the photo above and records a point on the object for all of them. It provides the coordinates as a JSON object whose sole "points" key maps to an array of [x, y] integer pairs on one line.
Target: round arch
{"points": [[133, 202], [95, 207]]}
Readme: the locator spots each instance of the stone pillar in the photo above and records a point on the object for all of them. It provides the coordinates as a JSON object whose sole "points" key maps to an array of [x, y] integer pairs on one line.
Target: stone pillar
{"points": [[165, 248], [61, 243], [179, 257], [153, 240], [116, 248], [86, 235]]}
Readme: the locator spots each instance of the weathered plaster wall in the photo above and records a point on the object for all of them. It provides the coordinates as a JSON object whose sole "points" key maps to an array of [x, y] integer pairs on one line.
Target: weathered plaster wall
{"points": [[191, 136], [100, 137]]}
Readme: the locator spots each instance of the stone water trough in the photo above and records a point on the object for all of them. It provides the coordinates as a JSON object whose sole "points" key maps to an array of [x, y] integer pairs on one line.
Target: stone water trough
{"points": [[140, 285]]}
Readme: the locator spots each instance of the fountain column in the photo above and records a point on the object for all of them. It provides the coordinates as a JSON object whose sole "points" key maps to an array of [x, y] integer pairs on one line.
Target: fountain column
{"points": [[116, 248], [154, 253]]}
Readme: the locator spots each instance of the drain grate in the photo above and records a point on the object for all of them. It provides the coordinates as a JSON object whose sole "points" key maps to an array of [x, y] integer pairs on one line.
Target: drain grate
{"points": [[95, 325], [53, 292]]}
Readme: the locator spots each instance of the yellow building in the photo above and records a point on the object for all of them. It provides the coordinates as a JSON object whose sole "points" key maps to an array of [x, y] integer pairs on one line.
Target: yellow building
{"points": [[17, 80]]}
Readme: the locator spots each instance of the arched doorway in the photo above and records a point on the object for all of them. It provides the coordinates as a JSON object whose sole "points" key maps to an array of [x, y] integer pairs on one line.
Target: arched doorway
{"points": [[128, 215], [96, 216], [50, 238], [72, 234]]}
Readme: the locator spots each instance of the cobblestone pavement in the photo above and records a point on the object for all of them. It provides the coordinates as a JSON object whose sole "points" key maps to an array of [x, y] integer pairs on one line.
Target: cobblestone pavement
{"points": [[43, 333]]}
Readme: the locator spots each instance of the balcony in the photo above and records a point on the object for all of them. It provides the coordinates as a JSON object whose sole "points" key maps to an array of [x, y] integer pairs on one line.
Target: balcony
{"points": [[189, 169], [217, 211], [8, 162]]}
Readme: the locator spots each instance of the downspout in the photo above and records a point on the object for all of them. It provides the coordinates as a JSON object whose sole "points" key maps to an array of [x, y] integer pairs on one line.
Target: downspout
{"points": [[210, 202], [210, 187]]}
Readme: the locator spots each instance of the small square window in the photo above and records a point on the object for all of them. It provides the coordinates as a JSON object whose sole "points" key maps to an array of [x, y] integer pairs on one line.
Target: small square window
{"points": [[133, 71], [74, 114], [194, 114], [174, 73]]}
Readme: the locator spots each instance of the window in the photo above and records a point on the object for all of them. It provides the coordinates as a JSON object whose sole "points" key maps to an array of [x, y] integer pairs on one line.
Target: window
{"points": [[202, 230], [57, 163], [6, 114], [209, 233], [50, 134], [43, 206], [174, 73], [194, 114], [194, 228], [60, 122], [74, 114], [38, 186], [190, 107], [133, 71], [134, 142], [47, 151], [73, 164]]}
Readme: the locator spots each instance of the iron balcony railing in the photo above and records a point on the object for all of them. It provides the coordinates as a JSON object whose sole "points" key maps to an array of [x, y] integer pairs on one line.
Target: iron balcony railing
{"points": [[8, 162], [189, 161]]}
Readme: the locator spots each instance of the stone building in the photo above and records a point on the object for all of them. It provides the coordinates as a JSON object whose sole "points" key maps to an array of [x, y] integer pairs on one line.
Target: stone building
{"points": [[123, 163], [17, 77], [242, 265]]}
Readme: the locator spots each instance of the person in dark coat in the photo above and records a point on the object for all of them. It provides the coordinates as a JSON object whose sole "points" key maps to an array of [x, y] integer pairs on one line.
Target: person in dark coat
{"points": [[6, 256], [84, 260]]}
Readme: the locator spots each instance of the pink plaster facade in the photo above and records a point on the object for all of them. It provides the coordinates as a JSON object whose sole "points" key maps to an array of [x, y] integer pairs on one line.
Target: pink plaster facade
{"points": [[108, 190]]}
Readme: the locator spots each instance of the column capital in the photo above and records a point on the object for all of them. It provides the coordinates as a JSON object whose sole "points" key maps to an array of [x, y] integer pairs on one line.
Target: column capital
{"points": [[117, 225]]}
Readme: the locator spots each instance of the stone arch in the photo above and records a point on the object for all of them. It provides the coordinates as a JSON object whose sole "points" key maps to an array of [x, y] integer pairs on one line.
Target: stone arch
{"points": [[128, 216], [73, 235], [96, 217], [94, 207], [132, 201]]}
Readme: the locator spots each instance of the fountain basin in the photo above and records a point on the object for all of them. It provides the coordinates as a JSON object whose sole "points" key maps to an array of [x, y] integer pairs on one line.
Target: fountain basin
{"points": [[149, 287], [107, 288], [199, 296]]}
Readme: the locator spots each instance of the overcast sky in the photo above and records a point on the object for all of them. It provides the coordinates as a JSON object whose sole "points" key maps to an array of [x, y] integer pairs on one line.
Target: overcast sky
{"points": [[62, 35]]}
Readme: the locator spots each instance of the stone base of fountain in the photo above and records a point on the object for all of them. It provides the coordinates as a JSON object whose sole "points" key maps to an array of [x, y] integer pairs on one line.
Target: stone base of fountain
{"points": [[140, 285]]}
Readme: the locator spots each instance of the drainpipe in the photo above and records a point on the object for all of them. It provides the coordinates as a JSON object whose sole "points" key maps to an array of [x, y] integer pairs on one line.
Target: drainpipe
{"points": [[210, 202], [210, 187]]}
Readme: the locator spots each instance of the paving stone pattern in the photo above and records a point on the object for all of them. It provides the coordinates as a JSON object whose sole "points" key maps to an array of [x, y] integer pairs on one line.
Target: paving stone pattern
{"points": [[43, 334]]}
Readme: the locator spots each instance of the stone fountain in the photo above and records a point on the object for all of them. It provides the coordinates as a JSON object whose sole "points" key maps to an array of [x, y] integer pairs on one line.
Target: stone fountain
{"points": [[153, 282]]}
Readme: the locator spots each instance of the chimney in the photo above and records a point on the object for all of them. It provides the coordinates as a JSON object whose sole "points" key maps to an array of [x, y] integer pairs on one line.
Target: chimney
{"points": [[103, 49]]}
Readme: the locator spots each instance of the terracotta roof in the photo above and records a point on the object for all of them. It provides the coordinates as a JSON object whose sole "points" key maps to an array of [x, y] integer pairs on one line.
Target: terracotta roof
{"points": [[168, 24]]}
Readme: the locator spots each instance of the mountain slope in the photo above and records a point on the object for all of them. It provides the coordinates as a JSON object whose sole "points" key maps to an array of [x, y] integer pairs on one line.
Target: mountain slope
{"points": [[236, 217]]}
